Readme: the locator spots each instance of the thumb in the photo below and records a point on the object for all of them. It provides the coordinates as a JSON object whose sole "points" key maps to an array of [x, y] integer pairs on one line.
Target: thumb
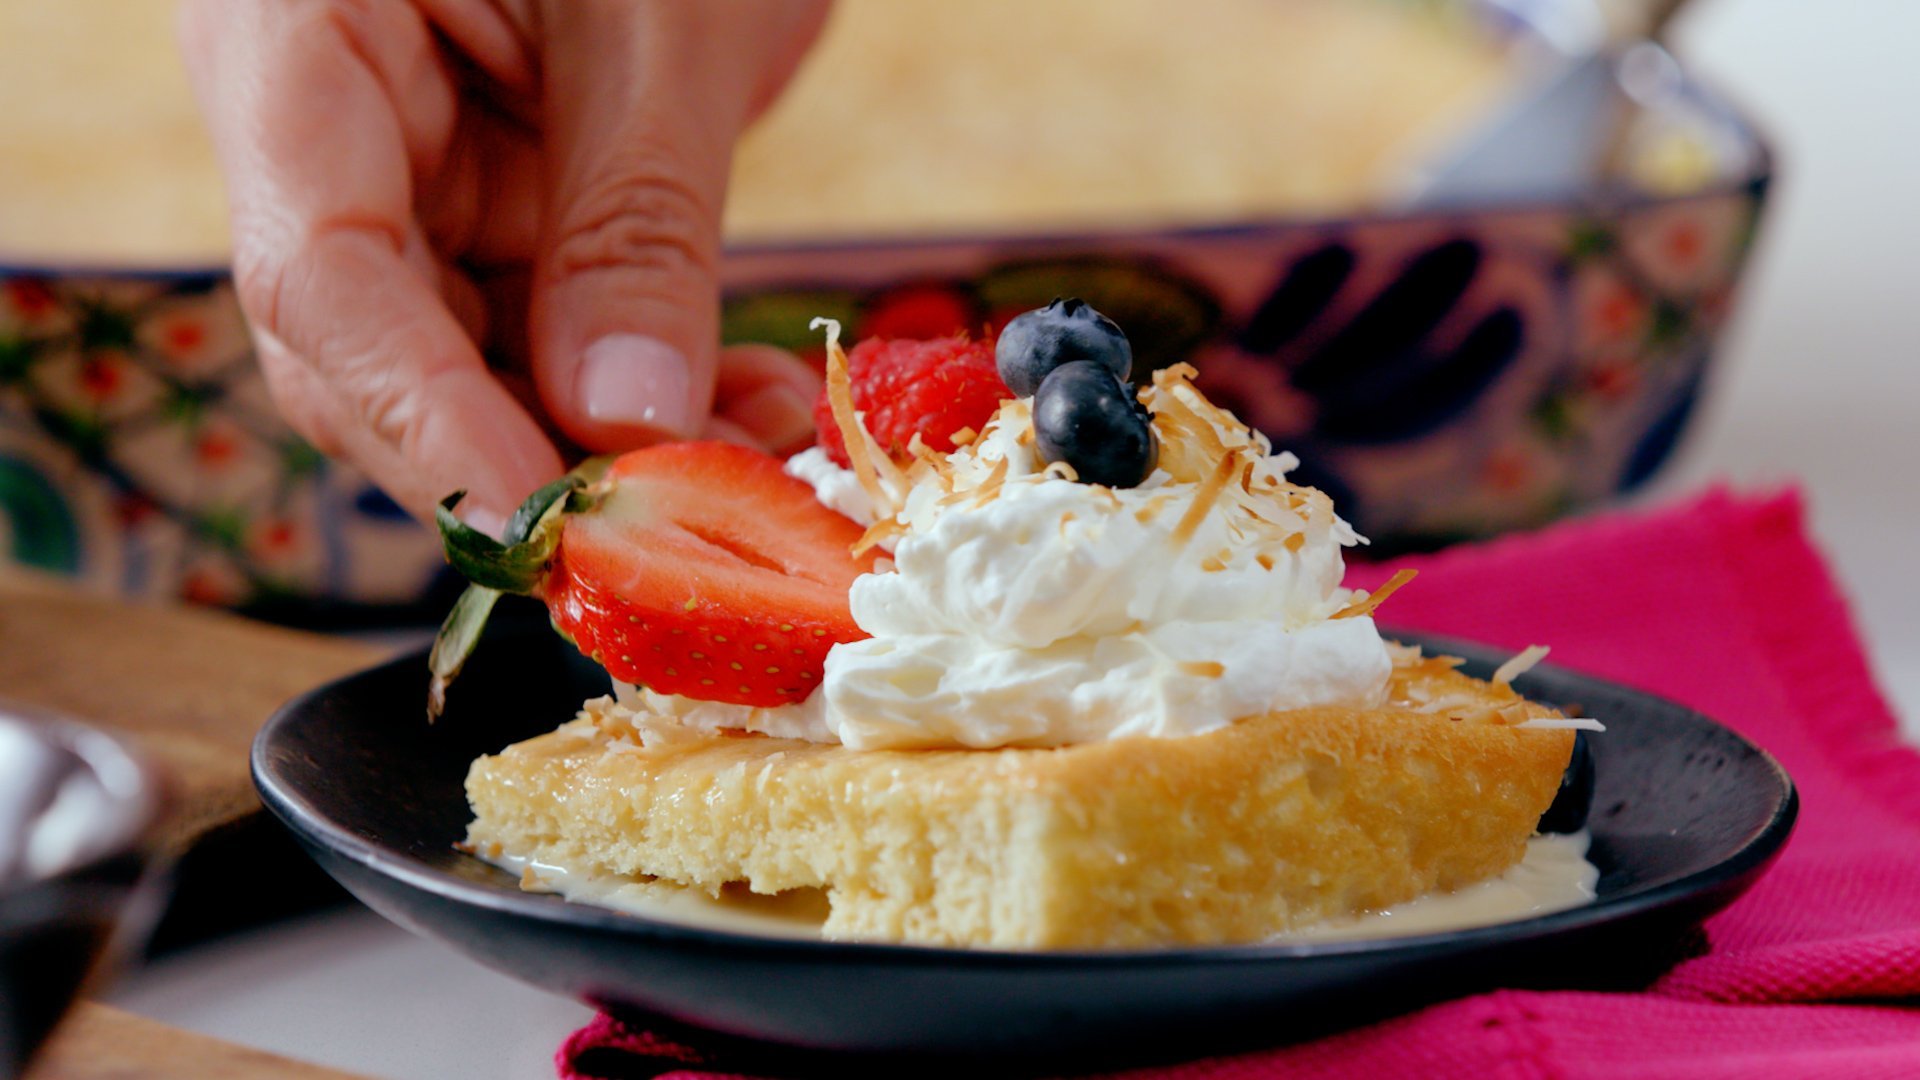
{"points": [[642, 104]]}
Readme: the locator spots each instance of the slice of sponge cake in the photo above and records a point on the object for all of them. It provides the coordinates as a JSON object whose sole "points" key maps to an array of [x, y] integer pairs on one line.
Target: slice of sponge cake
{"points": [[1271, 823]]}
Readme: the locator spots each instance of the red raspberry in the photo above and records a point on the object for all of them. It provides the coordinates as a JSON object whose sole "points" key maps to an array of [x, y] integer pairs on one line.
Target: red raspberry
{"points": [[917, 311], [904, 386]]}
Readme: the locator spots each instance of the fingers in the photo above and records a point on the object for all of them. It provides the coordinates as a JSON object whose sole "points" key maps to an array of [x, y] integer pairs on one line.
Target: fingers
{"points": [[643, 102], [424, 415], [724, 431], [483, 203], [767, 393], [323, 113]]}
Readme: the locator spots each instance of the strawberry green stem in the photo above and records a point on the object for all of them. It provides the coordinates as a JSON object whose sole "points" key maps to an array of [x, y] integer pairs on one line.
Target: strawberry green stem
{"points": [[516, 563]]}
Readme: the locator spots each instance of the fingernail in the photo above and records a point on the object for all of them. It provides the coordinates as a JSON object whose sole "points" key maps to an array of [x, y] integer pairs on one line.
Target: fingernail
{"points": [[635, 381], [484, 518], [776, 414]]}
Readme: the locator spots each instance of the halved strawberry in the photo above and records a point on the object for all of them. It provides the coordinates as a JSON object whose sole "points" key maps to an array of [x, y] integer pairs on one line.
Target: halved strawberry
{"points": [[699, 569]]}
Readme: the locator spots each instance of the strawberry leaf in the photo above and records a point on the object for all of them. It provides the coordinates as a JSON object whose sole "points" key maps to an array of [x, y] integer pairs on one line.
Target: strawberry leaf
{"points": [[520, 526], [517, 566], [455, 642]]}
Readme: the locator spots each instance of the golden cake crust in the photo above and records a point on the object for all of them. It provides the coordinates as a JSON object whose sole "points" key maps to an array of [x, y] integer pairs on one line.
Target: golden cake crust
{"points": [[1231, 836]]}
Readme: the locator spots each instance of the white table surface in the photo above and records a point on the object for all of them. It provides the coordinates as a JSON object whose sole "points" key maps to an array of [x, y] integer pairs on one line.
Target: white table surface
{"points": [[1822, 383]]}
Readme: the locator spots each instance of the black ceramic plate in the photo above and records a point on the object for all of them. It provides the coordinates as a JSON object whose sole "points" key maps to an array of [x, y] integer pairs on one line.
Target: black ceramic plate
{"points": [[1686, 815]]}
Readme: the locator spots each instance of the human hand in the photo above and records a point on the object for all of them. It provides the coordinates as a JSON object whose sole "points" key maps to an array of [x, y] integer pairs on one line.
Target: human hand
{"points": [[414, 184]]}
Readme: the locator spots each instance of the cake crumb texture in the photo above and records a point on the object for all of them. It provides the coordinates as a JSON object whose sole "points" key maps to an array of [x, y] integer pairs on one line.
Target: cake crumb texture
{"points": [[1230, 836]]}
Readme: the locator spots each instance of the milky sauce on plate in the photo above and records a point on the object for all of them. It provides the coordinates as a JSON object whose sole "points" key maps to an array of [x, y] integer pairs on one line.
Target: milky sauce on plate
{"points": [[1554, 876]]}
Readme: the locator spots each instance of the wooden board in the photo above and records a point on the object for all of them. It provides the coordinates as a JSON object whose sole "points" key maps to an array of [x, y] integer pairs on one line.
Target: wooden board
{"points": [[101, 1043], [190, 686]]}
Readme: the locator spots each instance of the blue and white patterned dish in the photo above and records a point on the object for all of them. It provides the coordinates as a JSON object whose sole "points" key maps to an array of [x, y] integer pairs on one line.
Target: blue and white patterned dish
{"points": [[1444, 374]]}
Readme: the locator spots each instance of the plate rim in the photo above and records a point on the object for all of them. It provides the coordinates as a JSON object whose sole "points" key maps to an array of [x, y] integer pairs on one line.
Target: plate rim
{"points": [[316, 829]]}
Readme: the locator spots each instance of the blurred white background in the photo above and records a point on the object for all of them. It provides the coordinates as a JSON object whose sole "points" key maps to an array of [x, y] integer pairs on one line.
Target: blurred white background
{"points": [[1822, 378]]}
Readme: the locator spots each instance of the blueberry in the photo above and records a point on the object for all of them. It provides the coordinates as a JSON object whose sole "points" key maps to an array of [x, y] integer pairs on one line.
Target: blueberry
{"points": [[1065, 331], [1568, 814], [1085, 416]]}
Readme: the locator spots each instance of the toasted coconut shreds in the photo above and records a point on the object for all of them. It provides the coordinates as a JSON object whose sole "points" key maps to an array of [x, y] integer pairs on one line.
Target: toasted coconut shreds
{"points": [[919, 450], [1519, 665], [1203, 500], [1189, 445], [1515, 713], [1563, 723], [1205, 669], [1147, 513], [1196, 434], [1295, 542], [989, 488], [924, 455], [965, 436], [1176, 382], [1403, 655], [852, 432], [1377, 597], [1318, 505], [1060, 470], [1196, 425], [1251, 509], [878, 533]]}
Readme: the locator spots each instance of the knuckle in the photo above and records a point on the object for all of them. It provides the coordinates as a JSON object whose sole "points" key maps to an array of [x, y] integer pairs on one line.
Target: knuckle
{"points": [[653, 223], [277, 272], [388, 404], [301, 402], [259, 279], [332, 378], [353, 20]]}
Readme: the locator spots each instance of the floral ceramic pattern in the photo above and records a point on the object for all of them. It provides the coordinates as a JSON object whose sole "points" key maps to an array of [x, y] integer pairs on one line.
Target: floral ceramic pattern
{"points": [[1444, 377], [139, 451]]}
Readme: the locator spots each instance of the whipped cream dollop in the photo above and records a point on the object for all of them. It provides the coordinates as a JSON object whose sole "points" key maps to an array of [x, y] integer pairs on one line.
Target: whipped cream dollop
{"points": [[1029, 610], [1021, 608]]}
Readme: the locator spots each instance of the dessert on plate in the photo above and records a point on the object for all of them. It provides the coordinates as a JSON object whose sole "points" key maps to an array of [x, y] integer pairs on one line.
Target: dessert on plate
{"points": [[1017, 656]]}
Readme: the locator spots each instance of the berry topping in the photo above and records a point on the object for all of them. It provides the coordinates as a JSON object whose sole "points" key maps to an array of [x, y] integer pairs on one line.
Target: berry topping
{"points": [[1085, 416], [699, 569], [928, 310], [903, 387], [1063, 332]]}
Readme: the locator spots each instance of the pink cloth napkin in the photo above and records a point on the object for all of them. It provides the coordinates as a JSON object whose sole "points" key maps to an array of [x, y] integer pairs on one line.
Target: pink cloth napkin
{"points": [[1721, 603]]}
